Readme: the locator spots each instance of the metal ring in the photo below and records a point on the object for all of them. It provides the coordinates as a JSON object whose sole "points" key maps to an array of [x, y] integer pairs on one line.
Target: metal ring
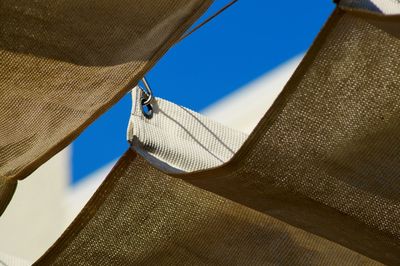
{"points": [[149, 93], [148, 113]]}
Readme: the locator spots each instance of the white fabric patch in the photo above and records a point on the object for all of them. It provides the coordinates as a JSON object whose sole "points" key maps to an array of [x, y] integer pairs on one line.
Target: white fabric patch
{"points": [[386, 7], [8, 260], [176, 139]]}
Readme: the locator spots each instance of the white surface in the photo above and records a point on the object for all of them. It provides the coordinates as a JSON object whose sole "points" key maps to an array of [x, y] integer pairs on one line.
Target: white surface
{"points": [[7, 260], [35, 217], [244, 108], [387, 7], [78, 195]]}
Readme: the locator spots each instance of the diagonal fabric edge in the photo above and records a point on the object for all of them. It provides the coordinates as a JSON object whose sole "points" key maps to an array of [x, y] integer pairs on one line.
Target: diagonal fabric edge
{"points": [[165, 220], [25, 166], [288, 206], [255, 186], [265, 195]]}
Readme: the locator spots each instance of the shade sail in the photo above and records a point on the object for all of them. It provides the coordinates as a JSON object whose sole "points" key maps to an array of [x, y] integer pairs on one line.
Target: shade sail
{"points": [[63, 63], [140, 216], [325, 157], [317, 182]]}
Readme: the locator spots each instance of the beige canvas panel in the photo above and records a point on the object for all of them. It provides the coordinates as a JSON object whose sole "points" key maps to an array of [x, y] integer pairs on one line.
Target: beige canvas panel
{"points": [[63, 63], [177, 139]]}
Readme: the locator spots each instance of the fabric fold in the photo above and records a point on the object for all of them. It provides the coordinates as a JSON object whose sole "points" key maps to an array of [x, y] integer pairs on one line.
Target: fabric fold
{"points": [[177, 139]]}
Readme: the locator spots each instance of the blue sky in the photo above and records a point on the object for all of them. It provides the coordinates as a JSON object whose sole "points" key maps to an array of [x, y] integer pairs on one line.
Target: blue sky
{"points": [[246, 41]]}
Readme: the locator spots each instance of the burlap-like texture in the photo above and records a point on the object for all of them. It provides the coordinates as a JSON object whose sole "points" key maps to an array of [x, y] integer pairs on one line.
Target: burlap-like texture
{"points": [[326, 157], [140, 216], [317, 182], [63, 63]]}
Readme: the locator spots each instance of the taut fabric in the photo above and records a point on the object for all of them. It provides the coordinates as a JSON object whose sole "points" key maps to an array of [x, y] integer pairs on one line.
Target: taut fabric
{"points": [[316, 183], [140, 216], [326, 156], [63, 63]]}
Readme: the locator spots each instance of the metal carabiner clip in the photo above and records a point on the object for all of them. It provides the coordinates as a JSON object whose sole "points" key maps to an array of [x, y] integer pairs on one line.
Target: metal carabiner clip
{"points": [[146, 99]]}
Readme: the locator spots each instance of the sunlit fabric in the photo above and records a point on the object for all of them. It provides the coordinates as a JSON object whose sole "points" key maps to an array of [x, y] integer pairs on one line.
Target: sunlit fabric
{"points": [[63, 63], [317, 182]]}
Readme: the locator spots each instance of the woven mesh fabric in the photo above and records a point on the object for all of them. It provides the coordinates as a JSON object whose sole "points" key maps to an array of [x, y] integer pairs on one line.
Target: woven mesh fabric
{"points": [[388, 7], [326, 155], [180, 138], [140, 216], [63, 63], [315, 183]]}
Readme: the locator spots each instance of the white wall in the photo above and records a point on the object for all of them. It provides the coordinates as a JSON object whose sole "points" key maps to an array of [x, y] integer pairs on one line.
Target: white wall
{"points": [[35, 217], [244, 108]]}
